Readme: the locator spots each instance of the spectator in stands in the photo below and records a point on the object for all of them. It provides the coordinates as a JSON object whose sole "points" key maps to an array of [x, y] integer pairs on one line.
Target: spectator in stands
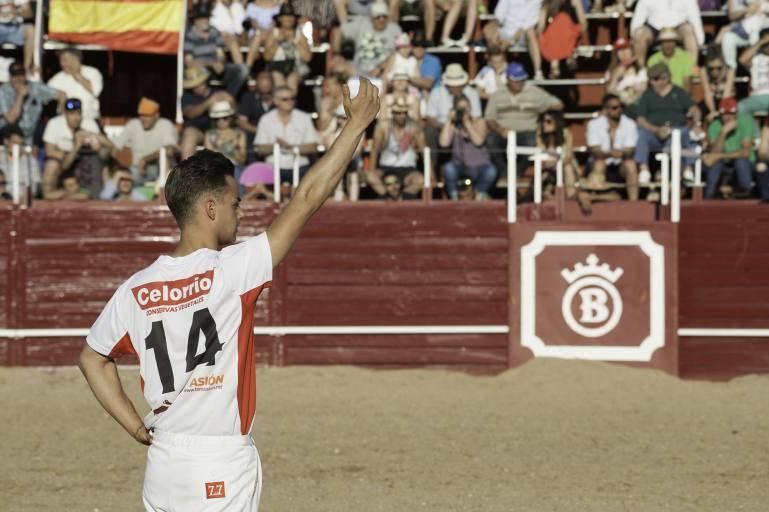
{"points": [[16, 28], [612, 138], [352, 10], [400, 91], [69, 189], [757, 59], [516, 23], [260, 15], [748, 18], [717, 82], [374, 40], [650, 17], [678, 61], [430, 67], [401, 62], [5, 195], [145, 136], [731, 146], [254, 104], [73, 144], [292, 129], [453, 10], [762, 167], [393, 188], [441, 101], [225, 137], [553, 137], [516, 107], [227, 16], [662, 108], [561, 25], [469, 156], [76, 80], [492, 77], [22, 101], [331, 112], [120, 187], [197, 99], [29, 170], [204, 47], [286, 50], [627, 76], [394, 150]]}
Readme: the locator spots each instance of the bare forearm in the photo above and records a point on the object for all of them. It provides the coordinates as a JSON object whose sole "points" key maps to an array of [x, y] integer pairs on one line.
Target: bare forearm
{"points": [[646, 125]]}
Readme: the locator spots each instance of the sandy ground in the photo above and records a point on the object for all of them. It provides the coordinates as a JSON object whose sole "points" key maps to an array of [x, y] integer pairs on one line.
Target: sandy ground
{"points": [[550, 436]]}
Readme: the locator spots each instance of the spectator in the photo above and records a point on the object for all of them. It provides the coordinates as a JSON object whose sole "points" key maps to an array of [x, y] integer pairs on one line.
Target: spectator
{"points": [[492, 77], [678, 61], [748, 18], [612, 138], [553, 137], [651, 16], [78, 81], [197, 99], [393, 188], [286, 50], [292, 129], [29, 171], [762, 167], [400, 84], [717, 83], [441, 101], [331, 112], [74, 145], [426, 10], [561, 24], [204, 47], [228, 17], [731, 146], [120, 187], [16, 29], [22, 102], [374, 40], [454, 9], [4, 194], [515, 108], [254, 104], [627, 76], [469, 156], [145, 136], [226, 138], [516, 23], [69, 189], [402, 62], [662, 108], [260, 17], [394, 150], [757, 59], [352, 10], [430, 67]]}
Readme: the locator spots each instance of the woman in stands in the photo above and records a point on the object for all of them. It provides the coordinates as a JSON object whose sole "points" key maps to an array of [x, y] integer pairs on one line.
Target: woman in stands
{"points": [[716, 82], [561, 25], [224, 137], [286, 50], [553, 136], [627, 77], [260, 17]]}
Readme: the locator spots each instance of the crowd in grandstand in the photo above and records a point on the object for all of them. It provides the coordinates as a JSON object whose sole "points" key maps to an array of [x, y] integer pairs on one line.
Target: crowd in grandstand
{"points": [[246, 63]]}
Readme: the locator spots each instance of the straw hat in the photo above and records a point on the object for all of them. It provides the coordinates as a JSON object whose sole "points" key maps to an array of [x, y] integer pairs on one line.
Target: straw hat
{"points": [[668, 34], [221, 109], [194, 76], [455, 76]]}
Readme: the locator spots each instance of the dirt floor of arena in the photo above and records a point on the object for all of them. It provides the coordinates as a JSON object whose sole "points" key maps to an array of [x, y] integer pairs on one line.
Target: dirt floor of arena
{"points": [[549, 436]]}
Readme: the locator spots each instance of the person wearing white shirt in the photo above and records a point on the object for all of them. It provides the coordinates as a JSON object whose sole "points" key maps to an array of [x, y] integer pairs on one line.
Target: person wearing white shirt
{"points": [[514, 23], [651, 16], [612, 138], [77, 81]]}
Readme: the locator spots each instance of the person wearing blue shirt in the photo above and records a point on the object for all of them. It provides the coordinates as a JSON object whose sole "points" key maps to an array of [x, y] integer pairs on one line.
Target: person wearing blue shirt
{"points": [[430, 68]]}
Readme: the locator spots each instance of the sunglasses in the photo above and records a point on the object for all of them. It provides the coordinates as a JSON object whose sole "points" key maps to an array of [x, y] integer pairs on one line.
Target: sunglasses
{"points": [[614, 107], [715, 68], [286, 98], [658, 78]]}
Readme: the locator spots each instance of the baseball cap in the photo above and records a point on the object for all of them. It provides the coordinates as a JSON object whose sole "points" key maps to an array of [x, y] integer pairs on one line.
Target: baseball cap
{"points": [[72, 104], [659, 70], [728, 105], [379, 9], [515, 71]]}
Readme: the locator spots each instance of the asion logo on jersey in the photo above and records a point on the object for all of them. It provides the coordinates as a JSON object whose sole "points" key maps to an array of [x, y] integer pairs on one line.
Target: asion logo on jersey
{"points": [[169, 296]]}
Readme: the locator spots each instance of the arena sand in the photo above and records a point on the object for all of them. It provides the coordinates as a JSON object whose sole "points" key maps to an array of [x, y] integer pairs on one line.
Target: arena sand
{"points": [[549, 436]]}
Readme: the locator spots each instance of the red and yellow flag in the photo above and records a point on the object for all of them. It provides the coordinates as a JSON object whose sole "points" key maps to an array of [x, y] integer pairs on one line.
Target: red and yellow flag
{"points": [[145, 26]]}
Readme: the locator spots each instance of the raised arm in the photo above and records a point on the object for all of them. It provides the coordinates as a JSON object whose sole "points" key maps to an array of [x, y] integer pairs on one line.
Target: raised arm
{"points": [[323, 177]]}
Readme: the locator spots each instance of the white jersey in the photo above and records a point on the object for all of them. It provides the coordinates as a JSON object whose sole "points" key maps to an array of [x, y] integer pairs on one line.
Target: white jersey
{"points": [[190, 321]]}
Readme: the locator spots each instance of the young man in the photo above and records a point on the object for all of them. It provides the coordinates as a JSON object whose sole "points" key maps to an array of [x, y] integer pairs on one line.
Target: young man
{"points": [[201, 389]]}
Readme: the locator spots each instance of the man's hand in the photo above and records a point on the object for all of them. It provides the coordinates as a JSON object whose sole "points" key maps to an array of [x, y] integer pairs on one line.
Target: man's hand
{"points": [[22, 90], [143, 435], [711, 159], [362, 110], [663, 132], [730, 126]]}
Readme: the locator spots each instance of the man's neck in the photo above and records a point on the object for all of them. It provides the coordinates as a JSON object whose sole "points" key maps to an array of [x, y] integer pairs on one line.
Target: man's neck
{"points": [[284, 116], [613, 122], [192, 241]]}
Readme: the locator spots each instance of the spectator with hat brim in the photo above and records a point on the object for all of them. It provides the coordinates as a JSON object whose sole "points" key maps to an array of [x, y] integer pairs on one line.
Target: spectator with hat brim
{"points": [[626, 75], [516, 108], [515, 23], [730, 147], [286, 50], [678, 60], [756, 58], [198, 97], [224, 136], [650, 17]]}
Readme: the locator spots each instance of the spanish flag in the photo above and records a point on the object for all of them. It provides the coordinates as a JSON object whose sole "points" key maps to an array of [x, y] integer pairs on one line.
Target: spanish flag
{"points": [[145, 26]]}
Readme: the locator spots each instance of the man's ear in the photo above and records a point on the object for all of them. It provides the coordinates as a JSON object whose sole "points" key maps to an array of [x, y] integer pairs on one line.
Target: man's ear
{"points": [[210, 205]]}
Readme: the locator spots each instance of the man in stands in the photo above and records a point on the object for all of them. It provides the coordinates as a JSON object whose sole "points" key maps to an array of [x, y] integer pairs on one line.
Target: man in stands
{"points": [[651, 16], [612, 138], [74, 145], [678, 60], [78, 81], [16, 28], [145, 137], [29, 171], [430, 67], [254, 104], [5, 195], [756, 58], [730, 146], [374, 40], [204, 47], [516, 107], [197, 99], [661, 109], [292, 129], [22, 101]]}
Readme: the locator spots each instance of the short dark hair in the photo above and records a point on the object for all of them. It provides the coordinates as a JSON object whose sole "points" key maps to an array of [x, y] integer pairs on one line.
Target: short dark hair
{"points": [[205, 171], [74, 52], [11, 129], [608, 97]]}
